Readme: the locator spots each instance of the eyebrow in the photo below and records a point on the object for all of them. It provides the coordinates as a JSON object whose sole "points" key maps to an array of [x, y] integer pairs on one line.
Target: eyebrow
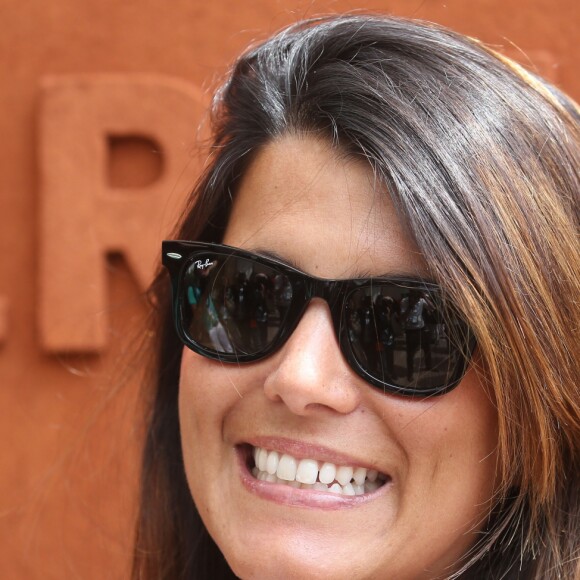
{"points": [[277, 257], [393, 275]]}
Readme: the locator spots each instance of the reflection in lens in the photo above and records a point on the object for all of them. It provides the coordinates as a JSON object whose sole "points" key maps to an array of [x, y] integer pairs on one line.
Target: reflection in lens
{"points": [[399, 335], [233, 304]]}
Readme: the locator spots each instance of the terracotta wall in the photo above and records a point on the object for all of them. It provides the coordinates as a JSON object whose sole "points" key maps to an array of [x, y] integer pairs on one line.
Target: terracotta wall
{"points": [[101, 102]]}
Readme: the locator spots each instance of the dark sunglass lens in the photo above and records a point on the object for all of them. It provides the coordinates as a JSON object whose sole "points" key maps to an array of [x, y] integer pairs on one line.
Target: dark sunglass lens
{"points": [[400, 336], [233, 305]]}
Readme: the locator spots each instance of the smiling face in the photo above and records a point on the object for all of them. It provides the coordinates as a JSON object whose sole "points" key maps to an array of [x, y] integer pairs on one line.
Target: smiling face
{"points": [[435, 457]]}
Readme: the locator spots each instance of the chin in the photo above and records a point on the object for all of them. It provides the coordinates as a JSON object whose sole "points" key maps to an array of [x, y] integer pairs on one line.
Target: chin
{"points": [[293, 560]]}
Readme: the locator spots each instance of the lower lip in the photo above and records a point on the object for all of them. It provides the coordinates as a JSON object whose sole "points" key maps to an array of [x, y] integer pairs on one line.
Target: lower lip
{"points": [[305, 498]]}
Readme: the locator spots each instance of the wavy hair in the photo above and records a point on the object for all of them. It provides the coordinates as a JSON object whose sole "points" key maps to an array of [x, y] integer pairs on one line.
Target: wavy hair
{"points": [[480, 158]]}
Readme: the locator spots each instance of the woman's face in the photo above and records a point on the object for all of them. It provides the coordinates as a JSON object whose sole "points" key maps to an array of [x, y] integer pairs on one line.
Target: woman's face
{"points": [[436, 457]]}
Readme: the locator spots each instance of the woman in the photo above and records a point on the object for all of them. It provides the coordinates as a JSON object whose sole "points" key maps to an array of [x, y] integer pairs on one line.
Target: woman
{"points": [[359, 159]]}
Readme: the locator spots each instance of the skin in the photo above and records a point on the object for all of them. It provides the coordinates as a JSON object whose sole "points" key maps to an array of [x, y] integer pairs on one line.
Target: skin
{"points": [[325, 214]]}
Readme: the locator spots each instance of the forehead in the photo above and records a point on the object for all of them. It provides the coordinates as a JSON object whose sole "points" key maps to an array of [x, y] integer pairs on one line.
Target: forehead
{"points": [[326, 213]]}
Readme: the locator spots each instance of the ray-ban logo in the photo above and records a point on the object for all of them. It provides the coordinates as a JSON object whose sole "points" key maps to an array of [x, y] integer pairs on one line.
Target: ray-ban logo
{"points": [[199, 265]]}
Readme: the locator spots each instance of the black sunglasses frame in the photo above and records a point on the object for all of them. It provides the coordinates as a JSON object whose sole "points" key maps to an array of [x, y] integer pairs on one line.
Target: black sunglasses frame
{"points": [[177, 255]]}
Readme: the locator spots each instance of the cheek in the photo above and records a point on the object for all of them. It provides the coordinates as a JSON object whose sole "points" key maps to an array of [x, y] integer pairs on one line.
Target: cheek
{"points": [[194, 396], [208, 393], [460, 426], [202, 406], [448, 483], [203, 388], [450, 446]]}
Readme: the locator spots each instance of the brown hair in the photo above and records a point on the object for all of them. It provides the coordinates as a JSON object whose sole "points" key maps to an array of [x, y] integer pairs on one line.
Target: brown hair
{"points": [[481, 160]]}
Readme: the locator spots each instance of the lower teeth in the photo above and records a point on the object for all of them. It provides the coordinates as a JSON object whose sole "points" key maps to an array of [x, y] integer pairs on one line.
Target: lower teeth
{"points": [[349, 489]]}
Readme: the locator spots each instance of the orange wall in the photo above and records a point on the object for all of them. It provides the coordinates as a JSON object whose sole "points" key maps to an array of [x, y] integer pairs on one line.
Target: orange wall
{"points": [[99, 104]]}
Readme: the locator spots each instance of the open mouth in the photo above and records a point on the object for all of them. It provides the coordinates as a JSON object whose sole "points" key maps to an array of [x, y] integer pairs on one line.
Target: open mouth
{"points": [[284, 469]]}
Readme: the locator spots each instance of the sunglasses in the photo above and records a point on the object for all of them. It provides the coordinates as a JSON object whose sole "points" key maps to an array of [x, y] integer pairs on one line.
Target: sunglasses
{"points": [[235, 306]]}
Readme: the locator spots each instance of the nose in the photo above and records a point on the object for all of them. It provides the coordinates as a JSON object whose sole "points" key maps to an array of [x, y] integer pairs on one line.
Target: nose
{"points": [[309, 372]]}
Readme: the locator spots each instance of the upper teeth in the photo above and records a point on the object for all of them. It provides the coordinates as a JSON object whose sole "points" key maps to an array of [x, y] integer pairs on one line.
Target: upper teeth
{"points": [[312, 474]]}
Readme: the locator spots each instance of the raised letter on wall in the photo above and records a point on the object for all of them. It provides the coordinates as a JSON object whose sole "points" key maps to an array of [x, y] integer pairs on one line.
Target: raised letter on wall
{"points": [[83, 216]]}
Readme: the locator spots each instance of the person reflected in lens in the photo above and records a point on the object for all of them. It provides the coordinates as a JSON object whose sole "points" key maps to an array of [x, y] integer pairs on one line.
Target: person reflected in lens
{"points": [[261, 297], [415, 311], [384, 308], [369, 332]]}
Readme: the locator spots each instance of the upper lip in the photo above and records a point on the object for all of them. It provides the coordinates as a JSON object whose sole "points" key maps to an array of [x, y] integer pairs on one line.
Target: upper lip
{"points": [[303, 450]]}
